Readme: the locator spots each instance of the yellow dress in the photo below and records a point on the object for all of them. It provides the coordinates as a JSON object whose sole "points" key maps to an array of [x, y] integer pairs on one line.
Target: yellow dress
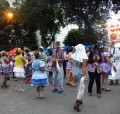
{"points": [[19, 67]]}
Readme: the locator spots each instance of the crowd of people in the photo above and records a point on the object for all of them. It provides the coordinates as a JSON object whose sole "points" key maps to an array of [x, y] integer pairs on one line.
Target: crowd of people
{"points": [[39, 69]]}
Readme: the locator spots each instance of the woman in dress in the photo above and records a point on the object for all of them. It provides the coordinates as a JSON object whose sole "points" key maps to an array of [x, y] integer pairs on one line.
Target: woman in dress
{"points": [[29, 60], [79, 70], [5, 69], [69, 67], [39, 77], [19, 69], [49, 66], [107, 66], [94, 70]]}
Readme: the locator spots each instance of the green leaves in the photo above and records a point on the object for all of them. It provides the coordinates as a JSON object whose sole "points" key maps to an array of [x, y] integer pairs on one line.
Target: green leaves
{"points": [[45, 16], [76, 36]]}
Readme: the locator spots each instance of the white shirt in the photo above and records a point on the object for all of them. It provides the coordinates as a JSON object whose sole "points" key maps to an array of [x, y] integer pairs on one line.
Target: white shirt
{"points": [[3, 62], [116, 54]]}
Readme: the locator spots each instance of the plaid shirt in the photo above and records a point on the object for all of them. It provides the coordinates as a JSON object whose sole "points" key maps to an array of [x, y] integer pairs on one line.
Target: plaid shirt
{"points": [[59, 55], [95, 65]]}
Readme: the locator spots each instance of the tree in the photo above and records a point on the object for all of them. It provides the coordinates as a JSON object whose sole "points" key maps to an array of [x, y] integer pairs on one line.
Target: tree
{"points": [[116, 6], [86, 13], [13, 33], [4, 26], [44, 16], [49, 15], [76, 36]]}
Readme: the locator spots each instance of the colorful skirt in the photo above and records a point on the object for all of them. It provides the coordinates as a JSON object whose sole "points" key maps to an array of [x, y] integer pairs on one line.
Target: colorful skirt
{"points": [[19, 72], [40, 80], [106, 68], [5, 71], [69, 67]]}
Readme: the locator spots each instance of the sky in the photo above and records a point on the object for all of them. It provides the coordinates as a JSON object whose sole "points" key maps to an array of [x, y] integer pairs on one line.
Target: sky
{"points": [[114, 17], [63, 33]]}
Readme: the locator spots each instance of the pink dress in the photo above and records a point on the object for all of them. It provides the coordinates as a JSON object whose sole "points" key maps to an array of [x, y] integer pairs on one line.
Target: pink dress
{"points": [[69, 63]]}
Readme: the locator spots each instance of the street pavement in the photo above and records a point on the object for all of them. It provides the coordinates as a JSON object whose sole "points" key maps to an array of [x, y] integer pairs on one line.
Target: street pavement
{"points": [[13, 102]]}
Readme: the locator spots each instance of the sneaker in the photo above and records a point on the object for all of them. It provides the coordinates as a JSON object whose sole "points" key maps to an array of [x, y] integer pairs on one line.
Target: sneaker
{"points": [[21, 90], [108, 90], [42, 97], [111, 82], [54, 90], [60, 91], [90, 94], [117, 82], [102, 88], [99, 96]]}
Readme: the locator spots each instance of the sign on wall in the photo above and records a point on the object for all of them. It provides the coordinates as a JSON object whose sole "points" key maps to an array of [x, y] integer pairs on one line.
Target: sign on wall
{"points": [[114, 32]]}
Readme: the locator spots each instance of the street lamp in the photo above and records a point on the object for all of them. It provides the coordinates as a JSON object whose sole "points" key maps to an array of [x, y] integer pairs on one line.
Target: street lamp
{"points": [[10, 15]]}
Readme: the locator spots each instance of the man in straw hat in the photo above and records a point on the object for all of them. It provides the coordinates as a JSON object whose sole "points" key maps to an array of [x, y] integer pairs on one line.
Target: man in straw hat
{"points": [[115, 58], [57, 65]]}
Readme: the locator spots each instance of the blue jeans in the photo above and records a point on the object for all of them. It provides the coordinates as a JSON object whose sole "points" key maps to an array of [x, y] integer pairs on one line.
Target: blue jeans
{"points": [[58, 79]]}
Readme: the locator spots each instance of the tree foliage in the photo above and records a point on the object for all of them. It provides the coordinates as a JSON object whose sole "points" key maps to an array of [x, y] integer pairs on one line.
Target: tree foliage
{"points": [[4, 28], [44, 15], [76, 36], [13, 33], [48, 16], [86, 13]]}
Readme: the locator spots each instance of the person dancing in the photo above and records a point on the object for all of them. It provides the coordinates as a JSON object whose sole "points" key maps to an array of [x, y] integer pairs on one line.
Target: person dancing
{"points": [[39, 77], [19, 69], [79, 70]]}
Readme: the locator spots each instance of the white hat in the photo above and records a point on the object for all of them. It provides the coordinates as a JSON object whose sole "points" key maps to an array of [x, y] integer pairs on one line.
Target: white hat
{"points": [[40, 47]]}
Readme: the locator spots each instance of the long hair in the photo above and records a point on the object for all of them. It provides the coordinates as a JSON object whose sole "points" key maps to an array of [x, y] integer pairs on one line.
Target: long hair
{"points": [[90, 60]]}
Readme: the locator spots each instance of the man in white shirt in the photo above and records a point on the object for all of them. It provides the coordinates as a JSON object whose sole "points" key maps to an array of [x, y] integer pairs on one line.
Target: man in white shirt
{"points": [[115, 58]]}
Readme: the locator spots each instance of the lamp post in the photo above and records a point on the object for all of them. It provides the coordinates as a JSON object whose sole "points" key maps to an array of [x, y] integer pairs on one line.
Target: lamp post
{"points": [[10, 16]]}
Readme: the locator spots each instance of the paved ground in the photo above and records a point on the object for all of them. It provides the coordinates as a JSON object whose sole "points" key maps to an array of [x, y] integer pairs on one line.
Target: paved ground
{"points": [[13, 102]]}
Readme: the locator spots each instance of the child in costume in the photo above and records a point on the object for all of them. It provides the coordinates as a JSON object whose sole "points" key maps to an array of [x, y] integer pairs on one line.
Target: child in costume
{"points": [[69, 67], [39, 77]]}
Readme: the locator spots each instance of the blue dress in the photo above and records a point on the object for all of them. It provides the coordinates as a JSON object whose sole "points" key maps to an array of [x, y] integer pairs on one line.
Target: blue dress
{"points": [[39, 78]]}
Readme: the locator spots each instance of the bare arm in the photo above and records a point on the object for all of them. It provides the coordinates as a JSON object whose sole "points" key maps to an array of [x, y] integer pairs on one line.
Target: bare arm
{"points": [[43, 69], [23, 59], [84, 65], [6, 60], [110, 62]]}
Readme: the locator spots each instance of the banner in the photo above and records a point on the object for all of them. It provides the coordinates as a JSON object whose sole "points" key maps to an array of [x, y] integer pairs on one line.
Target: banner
{"points": [[114, 32]]}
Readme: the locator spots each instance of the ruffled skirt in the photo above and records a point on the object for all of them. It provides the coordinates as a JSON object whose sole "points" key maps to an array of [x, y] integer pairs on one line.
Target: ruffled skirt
{"points": [[19, 72], [39, 80], [5, 71], [106, 68]]}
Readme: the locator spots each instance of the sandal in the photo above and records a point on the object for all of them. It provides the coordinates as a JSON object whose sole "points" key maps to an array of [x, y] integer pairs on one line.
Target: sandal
{"points": [[3, 87], [107, 89], [41, 97], [21, 90]]}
